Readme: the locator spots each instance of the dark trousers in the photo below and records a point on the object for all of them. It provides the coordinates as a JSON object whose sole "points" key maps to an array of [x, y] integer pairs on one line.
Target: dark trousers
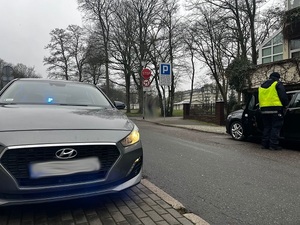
{"points": [[272, 126]]}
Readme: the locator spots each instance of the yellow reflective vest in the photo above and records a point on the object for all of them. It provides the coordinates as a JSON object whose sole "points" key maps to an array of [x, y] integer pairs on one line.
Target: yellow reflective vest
{"points": [[268, 97]]}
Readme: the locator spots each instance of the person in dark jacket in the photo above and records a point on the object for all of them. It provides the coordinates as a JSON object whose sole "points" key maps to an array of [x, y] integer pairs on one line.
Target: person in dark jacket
{"points": [[273, 100]]}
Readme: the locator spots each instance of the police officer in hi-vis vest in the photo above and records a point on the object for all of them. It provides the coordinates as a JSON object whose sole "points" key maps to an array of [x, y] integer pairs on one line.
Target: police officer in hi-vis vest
{"points": [[272, 102]]}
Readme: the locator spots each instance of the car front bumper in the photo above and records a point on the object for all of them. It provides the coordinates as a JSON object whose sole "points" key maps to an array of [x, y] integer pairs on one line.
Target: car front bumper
{"points": [[16, 199], [121, 170]]}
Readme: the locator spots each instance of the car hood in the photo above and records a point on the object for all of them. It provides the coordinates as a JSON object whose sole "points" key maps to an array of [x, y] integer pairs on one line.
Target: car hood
{"points": [[32, 118]]}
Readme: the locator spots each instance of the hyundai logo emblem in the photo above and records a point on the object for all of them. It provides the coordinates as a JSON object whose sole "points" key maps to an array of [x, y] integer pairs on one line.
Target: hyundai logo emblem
{"points": [[66, 153]]}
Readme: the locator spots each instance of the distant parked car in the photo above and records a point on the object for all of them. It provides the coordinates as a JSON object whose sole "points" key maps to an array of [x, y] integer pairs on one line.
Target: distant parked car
{"points": [[247, 122], [63, 140]]}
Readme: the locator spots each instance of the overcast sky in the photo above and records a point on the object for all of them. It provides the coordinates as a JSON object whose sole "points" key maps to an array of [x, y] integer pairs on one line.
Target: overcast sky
{"points": [[25, 26]]}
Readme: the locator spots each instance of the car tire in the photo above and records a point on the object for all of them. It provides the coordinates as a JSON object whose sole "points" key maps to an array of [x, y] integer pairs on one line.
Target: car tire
{"points": [[237, 131]]}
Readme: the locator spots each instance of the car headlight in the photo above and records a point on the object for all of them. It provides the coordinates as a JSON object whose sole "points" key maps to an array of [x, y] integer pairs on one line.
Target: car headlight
{"points": [[132, 138], [229, 117]]}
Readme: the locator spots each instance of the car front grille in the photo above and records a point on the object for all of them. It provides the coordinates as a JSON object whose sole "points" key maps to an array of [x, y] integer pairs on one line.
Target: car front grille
{"points": [[16, 162]]}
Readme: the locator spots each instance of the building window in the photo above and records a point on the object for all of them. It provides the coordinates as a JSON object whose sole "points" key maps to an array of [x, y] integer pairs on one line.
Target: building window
{"points": [[293, 4], [267, 51], [268, 44], [295, 55], [277, 57], [295, 48], [273, 50], [266, 59], [277, 39], [295, 44], [277, 49]]}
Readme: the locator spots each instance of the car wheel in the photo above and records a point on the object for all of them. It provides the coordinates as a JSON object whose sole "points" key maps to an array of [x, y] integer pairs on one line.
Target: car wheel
{"points": [[237, 131]]}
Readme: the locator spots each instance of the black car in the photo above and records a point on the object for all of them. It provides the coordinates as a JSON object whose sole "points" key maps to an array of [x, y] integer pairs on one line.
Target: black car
{"points": [[247, 122]]}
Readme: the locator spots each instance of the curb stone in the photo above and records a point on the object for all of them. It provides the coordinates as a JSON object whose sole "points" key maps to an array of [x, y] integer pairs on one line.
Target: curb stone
{"points": [[174, 203], [202, 128]]}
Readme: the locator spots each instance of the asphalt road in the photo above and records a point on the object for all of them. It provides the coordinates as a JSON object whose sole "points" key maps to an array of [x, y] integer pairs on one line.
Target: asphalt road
{"points": [[222, 180]]}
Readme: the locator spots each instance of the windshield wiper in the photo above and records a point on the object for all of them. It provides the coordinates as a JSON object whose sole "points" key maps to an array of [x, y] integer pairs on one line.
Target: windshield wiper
{"points": [[70, 104], [8, 103]]}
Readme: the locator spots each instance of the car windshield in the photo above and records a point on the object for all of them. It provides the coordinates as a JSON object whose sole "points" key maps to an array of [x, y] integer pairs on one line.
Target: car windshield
{"points": [[53, 92]]}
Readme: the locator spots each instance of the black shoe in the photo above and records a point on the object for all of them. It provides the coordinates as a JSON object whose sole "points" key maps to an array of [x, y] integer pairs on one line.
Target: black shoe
{"points": [[275, 148]]}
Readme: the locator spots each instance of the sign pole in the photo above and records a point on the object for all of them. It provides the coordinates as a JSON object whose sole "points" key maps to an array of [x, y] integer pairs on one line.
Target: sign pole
{"points": [[143, 105], [146, 103], [164, 103], [146, 74]]}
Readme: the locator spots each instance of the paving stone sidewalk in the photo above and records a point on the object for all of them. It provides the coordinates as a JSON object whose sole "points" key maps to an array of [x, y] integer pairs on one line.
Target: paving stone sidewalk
{"points": [[144, 204]]}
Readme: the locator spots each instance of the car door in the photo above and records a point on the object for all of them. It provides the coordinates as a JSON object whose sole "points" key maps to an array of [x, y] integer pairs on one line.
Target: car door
{"points": [[251, 118], [291, 129]]}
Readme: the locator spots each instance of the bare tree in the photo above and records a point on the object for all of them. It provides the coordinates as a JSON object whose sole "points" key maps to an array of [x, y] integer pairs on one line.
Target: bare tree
{"points": [[68, 53], [132, 34], [158, 53], [214, 48], [100, 13], [226, 30], [59, 60], [145, 20], [78, 49], [268, 21], [164, 47], [242, 14], [19, 70], [248, 25], [2, 63], [171, 25], [190, 49], [123, 30], [22, 71], [95, 61]]}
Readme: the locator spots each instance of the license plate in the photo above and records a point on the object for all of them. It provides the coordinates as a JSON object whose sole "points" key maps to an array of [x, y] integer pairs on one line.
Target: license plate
{"points": [[62, 168]]}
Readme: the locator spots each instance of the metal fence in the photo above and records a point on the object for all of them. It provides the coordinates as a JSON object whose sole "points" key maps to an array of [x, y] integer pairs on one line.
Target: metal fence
{"points": [[203, 109]]}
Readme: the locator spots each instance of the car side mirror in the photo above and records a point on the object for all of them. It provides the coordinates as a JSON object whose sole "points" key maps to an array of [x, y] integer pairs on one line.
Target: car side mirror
{"points": [[119, 105]]}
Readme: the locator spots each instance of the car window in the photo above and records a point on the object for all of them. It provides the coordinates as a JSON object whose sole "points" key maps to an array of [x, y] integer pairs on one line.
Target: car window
{"points": [[253, 103], [64, 93], [296, 102]]}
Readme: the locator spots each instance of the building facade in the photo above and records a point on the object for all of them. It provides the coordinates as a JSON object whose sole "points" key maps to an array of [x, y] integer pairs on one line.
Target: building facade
{"points": [[281, 52], [204, 95]]}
